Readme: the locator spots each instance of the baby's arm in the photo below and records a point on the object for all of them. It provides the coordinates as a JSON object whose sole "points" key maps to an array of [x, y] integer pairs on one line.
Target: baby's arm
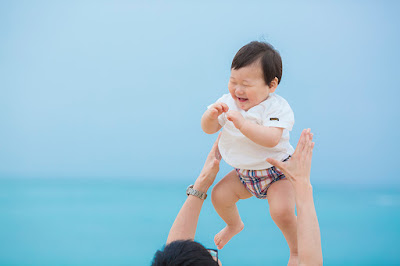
{"points": [[262, 135], [209, 121]]}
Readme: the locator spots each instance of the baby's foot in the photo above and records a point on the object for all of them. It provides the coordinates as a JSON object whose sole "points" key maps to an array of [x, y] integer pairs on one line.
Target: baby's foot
{"points": [[293, 260], [226, 234]]}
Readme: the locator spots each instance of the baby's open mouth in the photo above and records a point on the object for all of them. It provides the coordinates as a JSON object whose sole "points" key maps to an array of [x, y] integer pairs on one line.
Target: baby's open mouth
{"points": [[241, 99]]}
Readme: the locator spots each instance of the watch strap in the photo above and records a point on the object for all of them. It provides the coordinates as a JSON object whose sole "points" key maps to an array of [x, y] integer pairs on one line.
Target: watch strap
{"points": [[191, 191]]}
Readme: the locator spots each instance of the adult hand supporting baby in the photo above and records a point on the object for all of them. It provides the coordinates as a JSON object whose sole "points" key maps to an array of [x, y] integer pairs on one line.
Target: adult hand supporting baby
{"points": [[185, 224], [210, 169], [297, 170]]}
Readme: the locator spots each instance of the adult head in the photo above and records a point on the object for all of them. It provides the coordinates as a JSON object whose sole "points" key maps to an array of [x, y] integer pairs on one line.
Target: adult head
{"points": [[184, 252]]}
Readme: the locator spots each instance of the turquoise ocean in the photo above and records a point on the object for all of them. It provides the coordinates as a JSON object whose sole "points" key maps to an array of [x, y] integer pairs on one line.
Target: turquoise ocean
{"points": [[109, 221]]}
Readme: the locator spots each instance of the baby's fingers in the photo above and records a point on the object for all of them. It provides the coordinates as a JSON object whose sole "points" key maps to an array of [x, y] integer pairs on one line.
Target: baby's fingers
{"points": [[225, 107], [213, 113], [218, 107]]}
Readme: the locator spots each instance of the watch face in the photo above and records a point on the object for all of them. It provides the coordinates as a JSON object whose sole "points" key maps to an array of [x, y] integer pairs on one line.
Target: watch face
{"points": [[188, 189]]}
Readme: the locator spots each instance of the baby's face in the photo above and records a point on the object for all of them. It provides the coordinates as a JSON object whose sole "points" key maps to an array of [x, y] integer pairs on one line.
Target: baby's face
{"points": [[247, 86]]}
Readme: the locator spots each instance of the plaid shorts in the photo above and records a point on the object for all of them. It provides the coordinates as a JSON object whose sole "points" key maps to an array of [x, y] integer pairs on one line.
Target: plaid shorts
{"points": [[257, 182]]}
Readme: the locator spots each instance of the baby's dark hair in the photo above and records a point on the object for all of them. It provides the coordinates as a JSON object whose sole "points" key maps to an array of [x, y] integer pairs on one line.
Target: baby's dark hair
{"points": [[183, 253], [270, 59]]}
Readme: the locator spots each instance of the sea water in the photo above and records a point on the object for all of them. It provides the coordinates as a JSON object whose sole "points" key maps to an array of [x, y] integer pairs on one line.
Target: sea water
{"points": [[92, 221]]}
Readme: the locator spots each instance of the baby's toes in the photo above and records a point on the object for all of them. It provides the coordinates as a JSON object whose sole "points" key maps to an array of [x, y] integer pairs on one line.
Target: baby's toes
{"points": [[217, 239]]}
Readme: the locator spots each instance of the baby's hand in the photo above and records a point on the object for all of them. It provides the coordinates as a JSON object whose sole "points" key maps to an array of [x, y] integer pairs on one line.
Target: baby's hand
{"points": [[237, 118], [217, 109]]}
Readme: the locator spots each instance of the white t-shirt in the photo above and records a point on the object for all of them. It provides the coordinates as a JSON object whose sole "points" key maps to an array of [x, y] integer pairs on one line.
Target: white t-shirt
{"points": [[239, 151]]}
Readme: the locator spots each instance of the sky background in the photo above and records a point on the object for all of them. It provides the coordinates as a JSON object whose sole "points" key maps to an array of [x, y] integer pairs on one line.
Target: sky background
{"points": [[117, 88]]}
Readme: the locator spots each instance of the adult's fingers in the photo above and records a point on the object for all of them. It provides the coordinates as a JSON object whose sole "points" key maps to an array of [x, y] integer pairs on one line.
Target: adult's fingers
{"points": [[215, 145], [214, 149], [310, 152], [277, 163], [306, 143], [309, 145], [300, 143]]}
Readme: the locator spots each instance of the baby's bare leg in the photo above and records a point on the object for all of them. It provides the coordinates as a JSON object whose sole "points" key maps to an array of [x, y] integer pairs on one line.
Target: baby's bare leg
{"points": [[224, 196], [281, 199]]}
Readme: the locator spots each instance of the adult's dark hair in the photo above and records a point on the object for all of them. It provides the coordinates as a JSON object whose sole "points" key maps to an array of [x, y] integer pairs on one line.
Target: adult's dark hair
{"points": [[183, 253], [270, 59]]}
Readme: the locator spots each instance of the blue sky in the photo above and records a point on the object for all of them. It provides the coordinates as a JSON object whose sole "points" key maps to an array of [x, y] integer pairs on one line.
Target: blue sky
{"points": [[117, 88]]}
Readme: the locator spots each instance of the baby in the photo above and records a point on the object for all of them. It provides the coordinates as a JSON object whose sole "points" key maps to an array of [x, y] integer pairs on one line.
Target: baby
{"points": [[256, 124]]}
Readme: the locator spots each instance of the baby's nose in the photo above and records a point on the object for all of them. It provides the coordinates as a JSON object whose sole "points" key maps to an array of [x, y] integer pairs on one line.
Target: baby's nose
{"points": [[239, 90]]}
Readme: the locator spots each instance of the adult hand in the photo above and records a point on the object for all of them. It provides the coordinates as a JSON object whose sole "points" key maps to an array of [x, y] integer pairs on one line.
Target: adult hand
{"points": [[210, 169], [185, 223], [297, 168]]}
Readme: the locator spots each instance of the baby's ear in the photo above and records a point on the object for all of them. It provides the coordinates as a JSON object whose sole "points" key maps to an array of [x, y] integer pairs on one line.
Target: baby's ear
{"points": [[273, 84]]}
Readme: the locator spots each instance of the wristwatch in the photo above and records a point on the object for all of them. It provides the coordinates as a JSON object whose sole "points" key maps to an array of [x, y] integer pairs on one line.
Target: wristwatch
{"points": [[196, 193]]}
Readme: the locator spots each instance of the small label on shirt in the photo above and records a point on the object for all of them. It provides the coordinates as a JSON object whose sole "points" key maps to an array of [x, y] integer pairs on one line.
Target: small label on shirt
{"points": [[274, 119]]}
